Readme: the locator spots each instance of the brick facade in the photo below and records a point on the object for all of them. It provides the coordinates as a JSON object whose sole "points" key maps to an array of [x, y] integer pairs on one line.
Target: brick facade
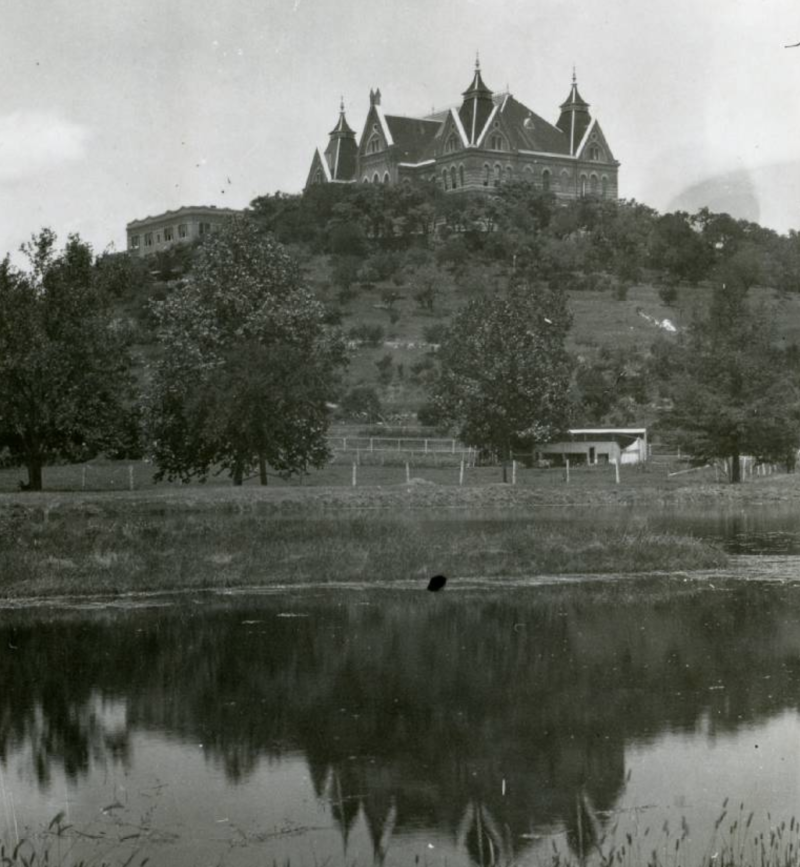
{"points": [[490, 138]]}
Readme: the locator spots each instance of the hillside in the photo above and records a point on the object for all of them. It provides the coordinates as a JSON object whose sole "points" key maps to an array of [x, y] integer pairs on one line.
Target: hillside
{"points": [[603, 321], [393, 266]]}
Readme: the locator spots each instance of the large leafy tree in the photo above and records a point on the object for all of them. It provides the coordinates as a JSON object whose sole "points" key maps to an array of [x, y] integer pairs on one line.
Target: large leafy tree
{"points": [[64, 369], [505, 373], [731, 391], [247, 365]]}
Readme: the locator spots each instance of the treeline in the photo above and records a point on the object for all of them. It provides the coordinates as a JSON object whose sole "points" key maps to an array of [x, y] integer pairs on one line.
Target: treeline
{"points": [[588, 243]]}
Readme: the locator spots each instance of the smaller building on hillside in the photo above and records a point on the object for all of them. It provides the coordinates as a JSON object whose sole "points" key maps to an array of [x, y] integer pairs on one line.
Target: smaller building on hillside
{"points": [[151, 235], [601, 445]]}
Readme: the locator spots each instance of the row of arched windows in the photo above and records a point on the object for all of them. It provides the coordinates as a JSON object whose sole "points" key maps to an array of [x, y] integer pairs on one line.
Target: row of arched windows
{"points": [[493, 175], [453, 178], [376, 178]]}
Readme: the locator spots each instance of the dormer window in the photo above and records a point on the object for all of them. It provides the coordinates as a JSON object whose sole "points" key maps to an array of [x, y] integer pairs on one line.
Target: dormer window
{"points": [[451, 144], [595, 154], [496, 142], [374, 145]]}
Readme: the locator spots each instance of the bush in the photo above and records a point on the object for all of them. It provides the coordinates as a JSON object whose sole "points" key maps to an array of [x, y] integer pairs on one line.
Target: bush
{"points": [[385, 371], [435, 333], [371, 335], [363, 403], [668, 293], [424, 370], [347, 239], [345, 271]]}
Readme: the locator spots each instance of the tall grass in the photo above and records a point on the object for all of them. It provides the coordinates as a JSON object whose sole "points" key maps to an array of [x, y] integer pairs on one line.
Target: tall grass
{"points": [[72, 551]]}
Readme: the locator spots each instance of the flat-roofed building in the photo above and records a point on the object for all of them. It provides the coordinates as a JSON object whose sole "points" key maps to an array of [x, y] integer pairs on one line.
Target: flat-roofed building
{"points": [[597, 445], [151, 235]]}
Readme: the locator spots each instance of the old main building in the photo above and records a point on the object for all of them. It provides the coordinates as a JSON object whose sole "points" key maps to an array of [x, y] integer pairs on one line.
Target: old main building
{"points": [[488, 139]]}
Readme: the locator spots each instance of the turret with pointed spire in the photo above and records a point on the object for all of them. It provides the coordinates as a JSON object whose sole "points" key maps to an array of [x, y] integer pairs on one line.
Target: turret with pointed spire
{"points": [[342, 149], [477, 105], [575, 117]]}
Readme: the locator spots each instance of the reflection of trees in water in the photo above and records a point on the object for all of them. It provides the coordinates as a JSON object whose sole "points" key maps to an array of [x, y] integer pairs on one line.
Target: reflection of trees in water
{"points": [[416, 713]]}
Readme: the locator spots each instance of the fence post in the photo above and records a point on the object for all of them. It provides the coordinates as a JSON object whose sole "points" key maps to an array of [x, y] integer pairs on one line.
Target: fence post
{"points": [[408, 473], [616, 470], [452, 446], [130, 476], [567, 460], [344, 444], [461, 473], [426, 447], [83, 479], [513, 472], [355, 472], [371, 444], [358, 455]]}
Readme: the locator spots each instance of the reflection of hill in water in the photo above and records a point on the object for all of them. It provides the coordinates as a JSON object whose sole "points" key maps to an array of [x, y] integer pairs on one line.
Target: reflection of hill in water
{"points": [[486, 717]]}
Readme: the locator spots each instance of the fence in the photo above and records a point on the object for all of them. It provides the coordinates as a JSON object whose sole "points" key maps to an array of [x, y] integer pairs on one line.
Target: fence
{"points": [[365, 449]]}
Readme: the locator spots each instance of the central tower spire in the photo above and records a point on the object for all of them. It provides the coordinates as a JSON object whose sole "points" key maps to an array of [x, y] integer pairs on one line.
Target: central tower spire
{"points": [[477, 105]]}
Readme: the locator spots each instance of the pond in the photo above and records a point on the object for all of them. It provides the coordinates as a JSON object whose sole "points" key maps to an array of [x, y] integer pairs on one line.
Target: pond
{"points": [[403, 727]]}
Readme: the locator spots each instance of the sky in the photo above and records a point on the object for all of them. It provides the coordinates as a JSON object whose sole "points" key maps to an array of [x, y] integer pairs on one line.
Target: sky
{"points": [[111, 111]]}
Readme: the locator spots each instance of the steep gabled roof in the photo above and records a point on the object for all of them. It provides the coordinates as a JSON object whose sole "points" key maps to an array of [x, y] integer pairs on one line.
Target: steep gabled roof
{"points": [[529, 131], [412, 136]]}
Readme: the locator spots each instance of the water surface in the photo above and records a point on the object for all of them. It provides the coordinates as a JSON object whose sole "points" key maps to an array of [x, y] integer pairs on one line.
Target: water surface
{"points": [[403, 727]]}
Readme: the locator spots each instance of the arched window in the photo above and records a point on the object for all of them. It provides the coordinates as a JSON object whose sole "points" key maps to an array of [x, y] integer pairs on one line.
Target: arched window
{"points": [[496, 142], [564, 180], [453, 176], [317, 177], [527, 174], [374, 144], [452, 144], [386, 178], [486, 172], [593, 184], [366, 180], [604, 186], [595, 154], [546, 180], [376, 178], [497, 176], [509, 174], [461, 176], [444, 177], [583, 185]]}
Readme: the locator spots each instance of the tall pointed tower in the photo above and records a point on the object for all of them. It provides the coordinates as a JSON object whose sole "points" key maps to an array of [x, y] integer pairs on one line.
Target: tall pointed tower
{"points": [[575, 117], [340, 154], [477, 106]]}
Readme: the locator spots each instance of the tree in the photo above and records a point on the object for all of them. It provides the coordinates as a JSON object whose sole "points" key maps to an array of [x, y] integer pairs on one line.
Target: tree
{"points": [[64, 367], [504, 371], [729, 390], [248, 364]]}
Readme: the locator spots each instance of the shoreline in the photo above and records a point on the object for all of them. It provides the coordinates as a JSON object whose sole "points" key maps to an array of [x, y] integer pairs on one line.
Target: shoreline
{"points": [[417, 494]]}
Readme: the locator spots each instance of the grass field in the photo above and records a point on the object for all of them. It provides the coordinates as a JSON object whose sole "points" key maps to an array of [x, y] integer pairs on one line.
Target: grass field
{"points": [[99, 550], [656, 479]]}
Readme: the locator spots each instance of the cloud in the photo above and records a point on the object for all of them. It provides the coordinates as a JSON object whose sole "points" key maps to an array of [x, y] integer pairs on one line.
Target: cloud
{"points": [[34, 141]]}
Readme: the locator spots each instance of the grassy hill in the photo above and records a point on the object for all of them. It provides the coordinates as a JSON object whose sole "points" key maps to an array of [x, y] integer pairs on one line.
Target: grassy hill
{"points": [[607, 319]]}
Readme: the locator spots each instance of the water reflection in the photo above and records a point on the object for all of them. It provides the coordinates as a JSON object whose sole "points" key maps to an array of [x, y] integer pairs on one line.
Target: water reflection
{"points": [[484, 722]]}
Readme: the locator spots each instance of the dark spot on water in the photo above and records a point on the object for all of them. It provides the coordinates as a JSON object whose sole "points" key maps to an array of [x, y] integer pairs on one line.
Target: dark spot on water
{"points": [[437, 583]]}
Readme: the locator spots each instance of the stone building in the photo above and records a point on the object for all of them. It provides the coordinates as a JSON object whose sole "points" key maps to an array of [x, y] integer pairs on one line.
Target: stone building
{"points": [[475, 146], [151, 235]]}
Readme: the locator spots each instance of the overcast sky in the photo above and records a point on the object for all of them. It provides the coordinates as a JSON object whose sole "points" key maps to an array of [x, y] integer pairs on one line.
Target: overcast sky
{"points": [[113, 110]]}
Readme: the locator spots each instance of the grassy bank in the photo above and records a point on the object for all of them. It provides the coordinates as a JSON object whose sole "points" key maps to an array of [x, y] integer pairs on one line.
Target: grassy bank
{"points": [[98, 548]]}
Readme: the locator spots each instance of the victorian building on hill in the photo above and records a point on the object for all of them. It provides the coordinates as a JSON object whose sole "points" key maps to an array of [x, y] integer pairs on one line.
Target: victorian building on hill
{"points": [[475, 146]]}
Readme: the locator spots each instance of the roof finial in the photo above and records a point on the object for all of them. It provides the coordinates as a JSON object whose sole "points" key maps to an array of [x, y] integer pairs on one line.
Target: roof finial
{"points": [[341, 103], [574, 77], [477, 60]]}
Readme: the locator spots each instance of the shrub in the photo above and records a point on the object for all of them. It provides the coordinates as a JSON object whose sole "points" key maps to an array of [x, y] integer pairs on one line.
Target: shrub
{"points": [[435, 333], [371, 335], [385, 371], [345, 271], [361, 402]]}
